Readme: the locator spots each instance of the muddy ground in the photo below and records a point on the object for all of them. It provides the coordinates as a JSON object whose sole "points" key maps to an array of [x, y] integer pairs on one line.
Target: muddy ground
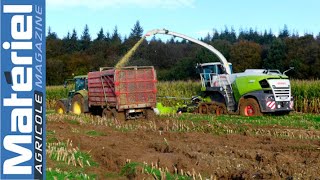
{"points": [[224, 156]]}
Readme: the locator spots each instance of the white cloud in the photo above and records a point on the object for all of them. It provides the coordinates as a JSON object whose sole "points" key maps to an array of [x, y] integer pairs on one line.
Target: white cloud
{"points": [[100, 4]]}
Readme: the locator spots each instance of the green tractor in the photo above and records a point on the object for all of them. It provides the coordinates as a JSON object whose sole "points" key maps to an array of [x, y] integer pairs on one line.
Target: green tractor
{"points": [[77, 98]]}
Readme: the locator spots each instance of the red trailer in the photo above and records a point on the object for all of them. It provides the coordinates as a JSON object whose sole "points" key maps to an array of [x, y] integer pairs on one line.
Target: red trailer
{"points": [[128, 92]]}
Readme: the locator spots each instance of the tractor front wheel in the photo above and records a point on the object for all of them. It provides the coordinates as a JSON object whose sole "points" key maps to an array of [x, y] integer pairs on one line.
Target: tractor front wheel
{"points": [[250, 107], [77, 104], [60, 108]]}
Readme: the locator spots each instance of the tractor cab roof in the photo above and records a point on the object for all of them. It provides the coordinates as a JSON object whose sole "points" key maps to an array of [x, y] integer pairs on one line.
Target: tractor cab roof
{"points": [[81, 77]]}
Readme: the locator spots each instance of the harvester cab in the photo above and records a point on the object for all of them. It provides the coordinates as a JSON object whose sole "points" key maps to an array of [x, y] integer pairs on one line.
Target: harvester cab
{"points": [[210, 72]]}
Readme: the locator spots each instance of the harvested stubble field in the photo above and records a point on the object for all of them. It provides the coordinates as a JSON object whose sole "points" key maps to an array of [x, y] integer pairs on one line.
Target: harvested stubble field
{"points": [[184, 146]]}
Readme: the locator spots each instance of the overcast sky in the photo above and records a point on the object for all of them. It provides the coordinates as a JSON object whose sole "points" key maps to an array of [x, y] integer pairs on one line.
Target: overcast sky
{"points": [[191, 17]]}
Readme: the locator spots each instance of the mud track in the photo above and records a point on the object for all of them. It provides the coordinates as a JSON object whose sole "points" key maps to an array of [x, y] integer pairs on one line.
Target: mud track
{"points": [[227, 156]]}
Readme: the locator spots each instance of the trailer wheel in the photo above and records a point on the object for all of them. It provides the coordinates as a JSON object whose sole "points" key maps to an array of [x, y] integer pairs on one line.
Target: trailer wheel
{"points": [[120, 116], [250, 107], [60, 108], [113, 114], [107, 113], [77, 104], [150, 115]]}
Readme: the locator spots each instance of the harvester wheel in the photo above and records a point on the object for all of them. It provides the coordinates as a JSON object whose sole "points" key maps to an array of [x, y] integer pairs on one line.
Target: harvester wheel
{"points": [[150, 115], [203, 108], [223, 108], [219, 111], [60, 108], [217, 108], [250, 107], [77, 104]]}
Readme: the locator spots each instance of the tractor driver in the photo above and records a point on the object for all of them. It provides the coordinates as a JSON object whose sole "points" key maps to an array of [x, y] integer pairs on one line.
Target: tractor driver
{"points": [[80, 84]]}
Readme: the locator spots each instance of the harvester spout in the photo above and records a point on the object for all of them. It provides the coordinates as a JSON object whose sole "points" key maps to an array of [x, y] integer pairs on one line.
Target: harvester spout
{"points": [[222, 59]]}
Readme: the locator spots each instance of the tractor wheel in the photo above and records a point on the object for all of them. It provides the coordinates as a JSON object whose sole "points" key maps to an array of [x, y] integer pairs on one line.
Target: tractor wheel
{"points": [[77, 104], [60, 108], [150, 115], [250, 107]]}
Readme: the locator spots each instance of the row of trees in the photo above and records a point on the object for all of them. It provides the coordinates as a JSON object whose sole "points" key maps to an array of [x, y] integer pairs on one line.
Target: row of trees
{"points": [[176, 59]]}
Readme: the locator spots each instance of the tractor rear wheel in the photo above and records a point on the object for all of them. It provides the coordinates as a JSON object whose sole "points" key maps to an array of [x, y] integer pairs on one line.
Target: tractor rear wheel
{"points": [[77, 104], [60, 108], [250, 107]]}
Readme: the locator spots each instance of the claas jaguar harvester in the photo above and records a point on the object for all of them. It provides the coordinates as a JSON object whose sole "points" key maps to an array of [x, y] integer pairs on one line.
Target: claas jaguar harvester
{"points": [[121, 93], [250, 93]]}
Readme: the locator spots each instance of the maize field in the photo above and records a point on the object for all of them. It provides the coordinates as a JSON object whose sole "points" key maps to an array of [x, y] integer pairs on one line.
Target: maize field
{"points": [[306, 94]]}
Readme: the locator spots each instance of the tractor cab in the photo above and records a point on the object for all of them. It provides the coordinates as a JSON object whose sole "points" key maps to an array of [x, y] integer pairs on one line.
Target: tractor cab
{"points": [[210, 73], [80, 83]]}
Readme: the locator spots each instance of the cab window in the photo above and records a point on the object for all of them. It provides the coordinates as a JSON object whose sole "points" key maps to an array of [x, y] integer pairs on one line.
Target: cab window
{"points": [[80, 84], [210, 69]]}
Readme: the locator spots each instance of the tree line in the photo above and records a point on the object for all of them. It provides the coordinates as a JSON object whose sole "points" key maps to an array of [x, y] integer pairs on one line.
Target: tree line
{"points": [[175, 59]]}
